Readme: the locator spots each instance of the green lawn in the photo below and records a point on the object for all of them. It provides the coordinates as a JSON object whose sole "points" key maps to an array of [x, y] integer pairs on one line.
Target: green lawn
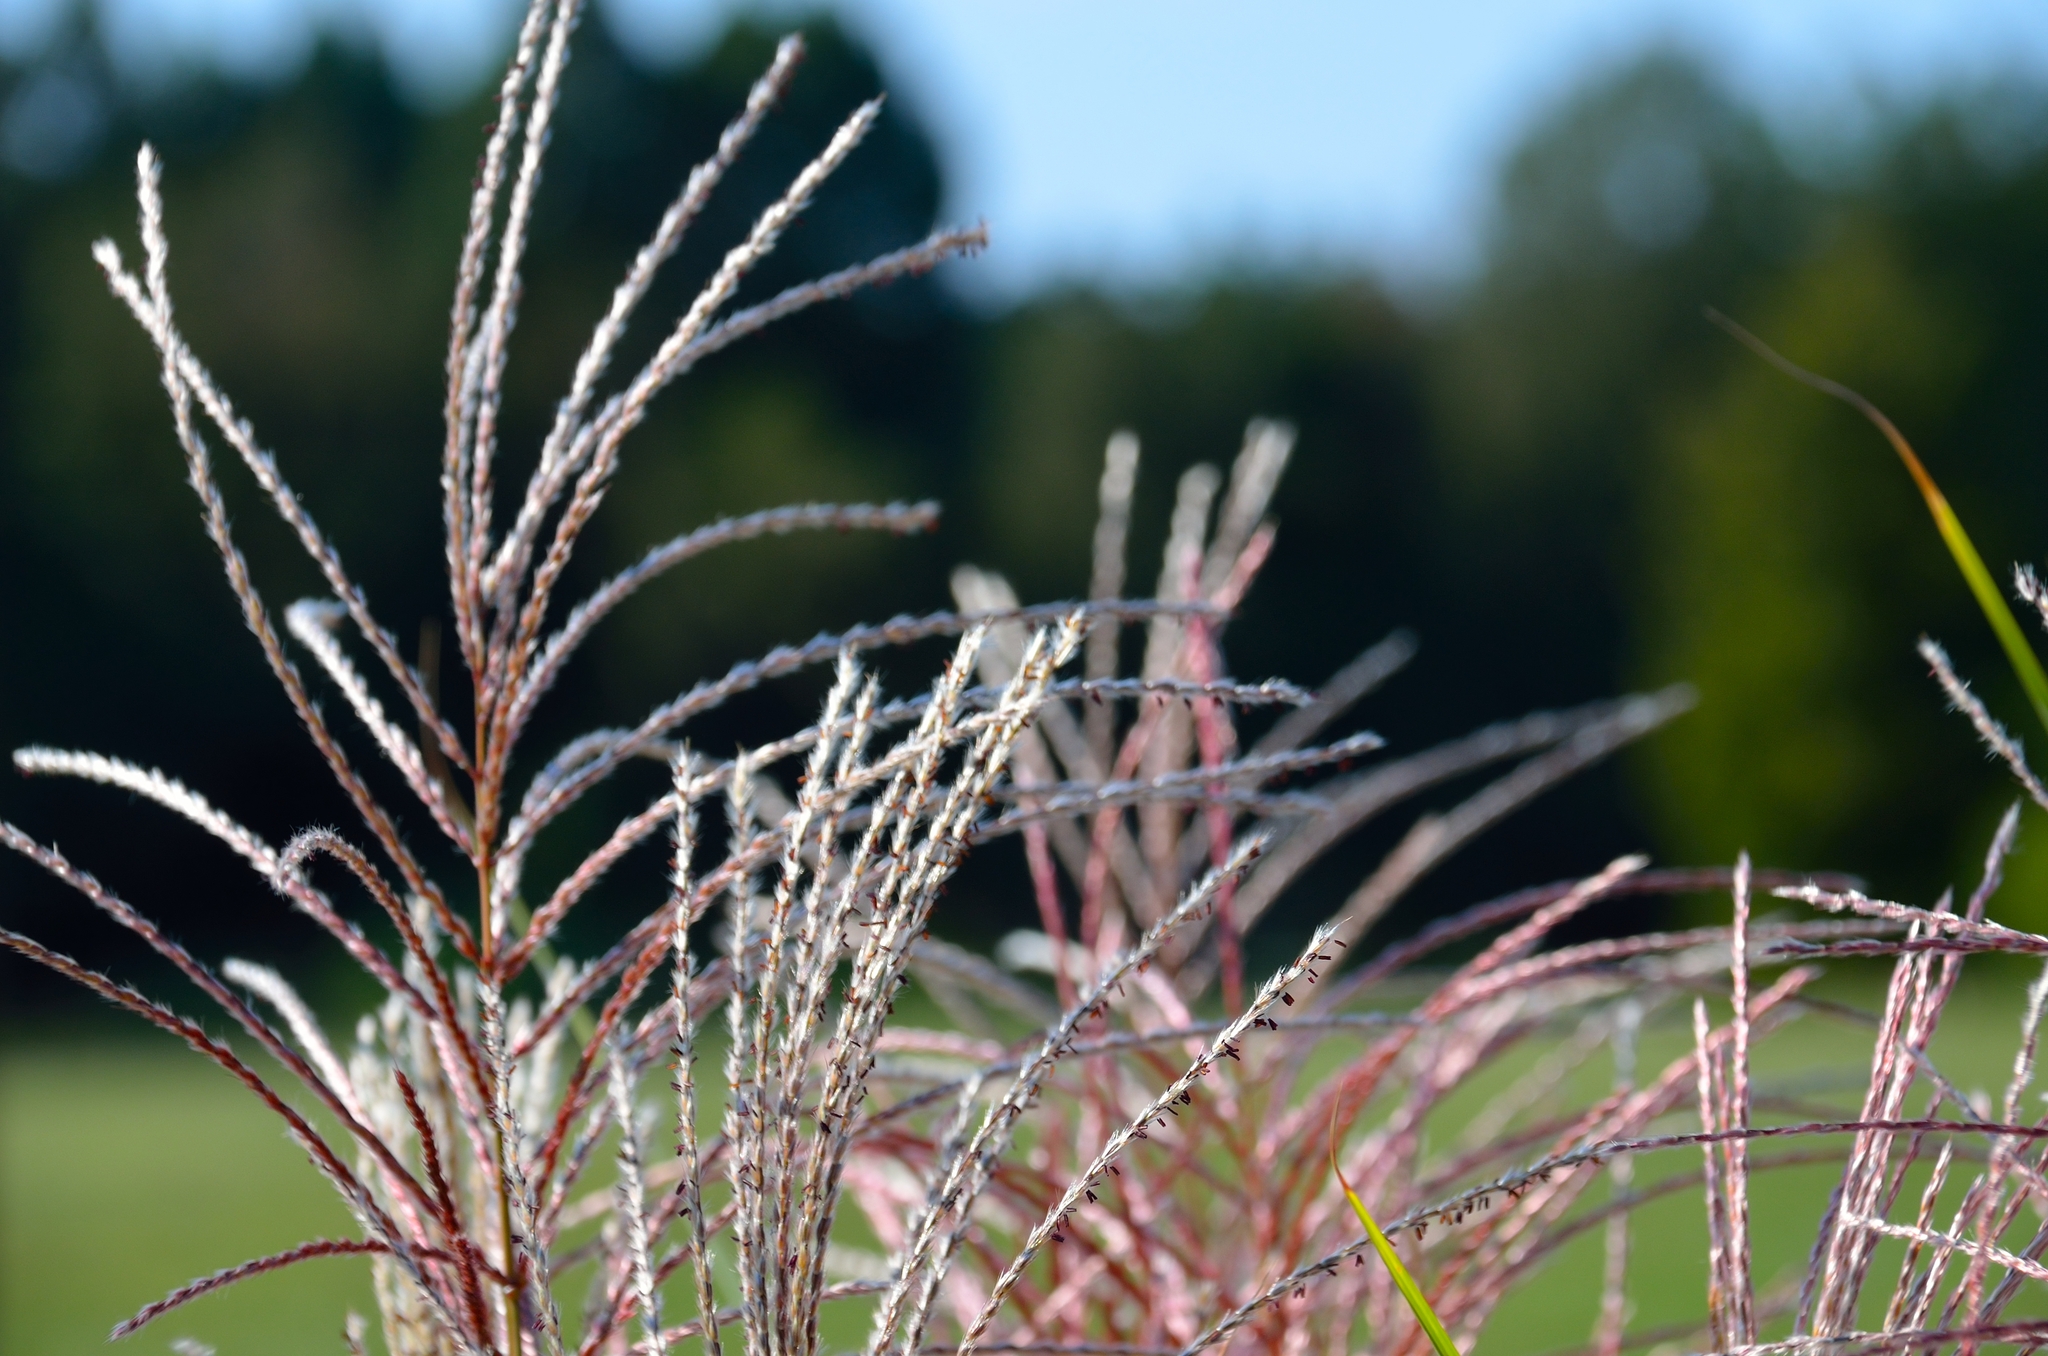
{"points": [[129, 1168], [126, 1170]]}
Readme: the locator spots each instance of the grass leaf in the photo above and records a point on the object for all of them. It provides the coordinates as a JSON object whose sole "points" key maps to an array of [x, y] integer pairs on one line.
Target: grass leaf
{"points": [[1410, 1291], [2025, 665]]}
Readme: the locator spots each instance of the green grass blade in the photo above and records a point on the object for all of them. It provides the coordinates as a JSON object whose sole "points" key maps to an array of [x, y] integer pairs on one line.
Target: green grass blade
{"points": [[2017, 652], [1410, 1291], [2025, 665], [1381, 1244]]}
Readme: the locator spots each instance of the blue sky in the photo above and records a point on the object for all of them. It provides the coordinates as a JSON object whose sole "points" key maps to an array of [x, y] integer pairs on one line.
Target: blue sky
{"points": [[1136, 141]]}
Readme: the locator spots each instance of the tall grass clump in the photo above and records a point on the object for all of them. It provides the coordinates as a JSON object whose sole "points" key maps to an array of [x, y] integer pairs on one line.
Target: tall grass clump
{"points": [[714, 1134]]}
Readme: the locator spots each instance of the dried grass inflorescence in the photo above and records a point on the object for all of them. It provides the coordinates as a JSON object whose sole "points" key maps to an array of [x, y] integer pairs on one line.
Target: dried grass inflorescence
{"points": [[1108, 1170]]}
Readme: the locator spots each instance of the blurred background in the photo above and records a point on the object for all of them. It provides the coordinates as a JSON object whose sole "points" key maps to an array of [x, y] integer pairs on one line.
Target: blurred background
{"points": [[1464, 248]]}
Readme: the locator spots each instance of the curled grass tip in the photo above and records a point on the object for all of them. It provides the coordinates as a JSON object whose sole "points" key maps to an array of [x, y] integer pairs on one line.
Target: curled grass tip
{"points": [[2025, 665]]}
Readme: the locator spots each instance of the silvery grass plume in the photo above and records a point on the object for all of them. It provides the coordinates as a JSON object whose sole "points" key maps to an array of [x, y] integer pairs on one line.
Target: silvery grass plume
{"points": [[1111, 1169], [462, 1127]]}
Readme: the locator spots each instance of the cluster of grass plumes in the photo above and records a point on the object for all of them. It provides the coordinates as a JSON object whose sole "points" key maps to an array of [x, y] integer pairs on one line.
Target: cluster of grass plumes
{"points": [[1107, 1168], [463, 1126]]}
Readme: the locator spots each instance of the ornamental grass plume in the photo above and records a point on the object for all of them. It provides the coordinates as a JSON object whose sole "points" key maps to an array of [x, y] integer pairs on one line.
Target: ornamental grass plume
{"points": [[1129, 1160]]}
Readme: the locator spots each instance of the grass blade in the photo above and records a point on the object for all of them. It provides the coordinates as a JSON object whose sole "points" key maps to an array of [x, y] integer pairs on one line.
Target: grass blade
{"points": [[2025, 665], [1410, 1291]]}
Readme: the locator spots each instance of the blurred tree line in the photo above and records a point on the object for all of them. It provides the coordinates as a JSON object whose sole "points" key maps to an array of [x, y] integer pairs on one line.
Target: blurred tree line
{"points": [[1561, 478]]}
